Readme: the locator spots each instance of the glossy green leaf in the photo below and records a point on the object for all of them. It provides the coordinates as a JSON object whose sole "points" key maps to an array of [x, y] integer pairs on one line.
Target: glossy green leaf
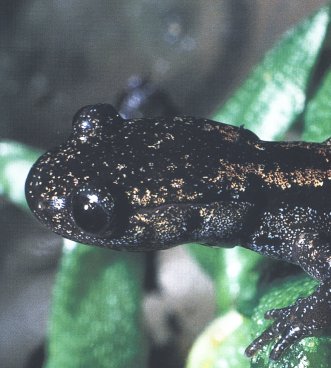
{"points": [[274, 95], [318, 115], [267, 103], [235, 272], [16, 160], [207, 257], [95, 319], [222, 344], [309, 352], [237, 278]]}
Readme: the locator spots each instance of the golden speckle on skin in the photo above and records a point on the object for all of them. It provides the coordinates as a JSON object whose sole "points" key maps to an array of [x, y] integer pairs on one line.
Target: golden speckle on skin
{"points": [[177, 183], [308, 177], [187, 196], [156, 145], [236, 176], [318, 183], [259, 147], [163, 189], [208, 127], [229, 133], [169, 136], [162, 222], [83, 138], [121, 167], [135, 190], [139, 229], [142, 218], [146, 198], [171, 167], [70, 156], [277, 178], [207, 213]]}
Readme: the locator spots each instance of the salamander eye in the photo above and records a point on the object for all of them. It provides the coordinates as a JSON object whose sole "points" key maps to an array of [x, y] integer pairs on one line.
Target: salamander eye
{"points": [[93, 210]]}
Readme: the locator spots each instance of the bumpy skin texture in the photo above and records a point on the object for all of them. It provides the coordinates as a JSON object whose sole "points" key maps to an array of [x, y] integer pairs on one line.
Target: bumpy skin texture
{"points": [[155, 183]]}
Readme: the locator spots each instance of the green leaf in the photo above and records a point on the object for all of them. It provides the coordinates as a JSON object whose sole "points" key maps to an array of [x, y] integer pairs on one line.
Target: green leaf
{"points": [[95, 319], [309, 352], [207, 257], [274, 95], [318, 115], [16, 160], [237, 279], [235, 272], [267, 103], [222, 344]]}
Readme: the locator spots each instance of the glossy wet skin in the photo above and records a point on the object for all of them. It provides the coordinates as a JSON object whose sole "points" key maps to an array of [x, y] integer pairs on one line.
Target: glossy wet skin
{"points": [[154, 177], [156, 183]]}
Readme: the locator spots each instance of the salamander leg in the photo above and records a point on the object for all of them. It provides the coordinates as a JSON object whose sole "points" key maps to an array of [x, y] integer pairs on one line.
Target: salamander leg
{"points": [[306, 317]]}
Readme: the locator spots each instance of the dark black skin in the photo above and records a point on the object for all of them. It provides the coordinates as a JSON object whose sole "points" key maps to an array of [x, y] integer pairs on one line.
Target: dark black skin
{"points": [[146, 184]]}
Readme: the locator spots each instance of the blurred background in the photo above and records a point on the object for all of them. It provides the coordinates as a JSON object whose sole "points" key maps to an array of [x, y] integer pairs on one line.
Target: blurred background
{"points": [[148, 58]]}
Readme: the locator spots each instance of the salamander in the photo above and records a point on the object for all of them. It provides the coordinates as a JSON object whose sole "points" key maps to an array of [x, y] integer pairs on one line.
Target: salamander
{"points": [[154, 183]]}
